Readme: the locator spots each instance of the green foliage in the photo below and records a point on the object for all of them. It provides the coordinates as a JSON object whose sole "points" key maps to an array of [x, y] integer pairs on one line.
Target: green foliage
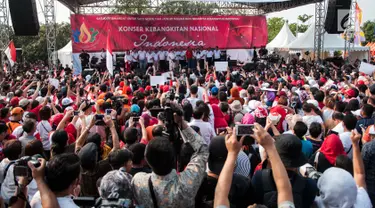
{"points": [[35, 47], [304, 18], [168, 7], [274, 25], [369, 28]]}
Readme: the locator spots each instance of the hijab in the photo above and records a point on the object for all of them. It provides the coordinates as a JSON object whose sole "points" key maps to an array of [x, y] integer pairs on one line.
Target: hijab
{"points": [[219, 121], [332, 147]]}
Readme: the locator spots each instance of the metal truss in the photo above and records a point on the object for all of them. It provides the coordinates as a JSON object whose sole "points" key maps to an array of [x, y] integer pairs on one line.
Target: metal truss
{"points": [[320, 16], [168, 7], [4, 26], [49, 15], [350, 30]]}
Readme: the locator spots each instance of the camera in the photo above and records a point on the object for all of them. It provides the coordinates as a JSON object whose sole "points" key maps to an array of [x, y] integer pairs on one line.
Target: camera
{"points": [[99, 117], [22, 169]]}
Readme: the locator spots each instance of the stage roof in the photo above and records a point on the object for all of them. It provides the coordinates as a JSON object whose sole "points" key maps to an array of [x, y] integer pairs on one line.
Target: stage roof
{"points": [[265, 6]]}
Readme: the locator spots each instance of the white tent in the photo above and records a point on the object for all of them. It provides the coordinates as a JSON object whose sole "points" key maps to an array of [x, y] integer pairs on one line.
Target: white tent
{"points": [[65, 54], [283, 39], [332, 42]]}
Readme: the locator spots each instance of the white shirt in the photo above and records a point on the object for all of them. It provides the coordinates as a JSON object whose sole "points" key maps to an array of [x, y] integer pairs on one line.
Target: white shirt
{"points": [[129, 58], [8, 187], [207, 131], [182, 55], [198, 55], [156, 56], [135, 56], [88, 119], [150, 57], [161, 55], [44, 127], [67, 201], [347, 142], [339, 128], [204, 53], [200, 92], [171, 56], [217, 54], [142, 55], [210, 54], [193, 101]]}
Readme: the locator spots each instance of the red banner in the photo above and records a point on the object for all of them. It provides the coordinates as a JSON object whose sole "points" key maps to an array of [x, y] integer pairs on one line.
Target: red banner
{"points": [[167, 31]]}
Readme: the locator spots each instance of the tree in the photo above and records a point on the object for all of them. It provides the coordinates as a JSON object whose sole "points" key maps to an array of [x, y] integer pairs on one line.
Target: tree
{"points": [[168, 7], [274, 25], [301, 28], [369, 30], [304, 18], [34, 48]]}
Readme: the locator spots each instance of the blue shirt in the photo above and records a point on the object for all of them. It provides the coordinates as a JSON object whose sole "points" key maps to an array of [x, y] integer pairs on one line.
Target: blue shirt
{"points": [[307, 148]]}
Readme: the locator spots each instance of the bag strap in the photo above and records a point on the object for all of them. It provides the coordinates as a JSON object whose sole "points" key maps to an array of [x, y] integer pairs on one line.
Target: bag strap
{"points": [[153, 197], [6, 169], [316, 159], [349, 149]]}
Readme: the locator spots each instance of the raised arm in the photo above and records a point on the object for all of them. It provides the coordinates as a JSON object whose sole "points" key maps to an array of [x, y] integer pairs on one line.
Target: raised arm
{"points": [[36, 93], [82, 138], [143, 128], [280, 176], [48, 198], [115, 139], [225, 179], [358, 166], [66, 118]]}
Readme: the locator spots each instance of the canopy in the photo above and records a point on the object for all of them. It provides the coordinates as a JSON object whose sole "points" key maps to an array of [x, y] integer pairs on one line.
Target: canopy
{"points": [[332, 42], [65, 54], [283, 39]]}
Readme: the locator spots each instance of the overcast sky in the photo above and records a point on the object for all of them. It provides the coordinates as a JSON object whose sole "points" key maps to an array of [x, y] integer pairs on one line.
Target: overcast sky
{"points": [[367, 6]]}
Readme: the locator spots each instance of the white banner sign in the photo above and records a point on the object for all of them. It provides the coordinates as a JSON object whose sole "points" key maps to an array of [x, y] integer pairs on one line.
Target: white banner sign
{"points": [[157, 80], [221, 66], [367, 68]]}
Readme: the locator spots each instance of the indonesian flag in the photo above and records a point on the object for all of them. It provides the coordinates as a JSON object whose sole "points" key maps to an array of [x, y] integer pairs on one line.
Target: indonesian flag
{"points": [[11, 53], [109, 54]]}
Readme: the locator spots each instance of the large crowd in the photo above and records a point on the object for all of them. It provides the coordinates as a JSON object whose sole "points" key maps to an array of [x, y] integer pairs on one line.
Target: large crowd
{"points": [[297, 134]]}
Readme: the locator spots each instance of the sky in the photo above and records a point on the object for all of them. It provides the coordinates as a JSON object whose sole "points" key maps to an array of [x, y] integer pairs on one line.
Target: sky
{"points": [[63, 13]]}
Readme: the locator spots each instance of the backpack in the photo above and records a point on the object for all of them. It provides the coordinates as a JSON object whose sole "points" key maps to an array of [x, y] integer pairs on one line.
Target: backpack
{"points": [[270, 192]]}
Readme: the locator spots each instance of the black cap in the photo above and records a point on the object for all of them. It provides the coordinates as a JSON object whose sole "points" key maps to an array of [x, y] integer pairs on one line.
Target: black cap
{"points": [[289, 148], [218, 154], [372, 89], [31, 115]]}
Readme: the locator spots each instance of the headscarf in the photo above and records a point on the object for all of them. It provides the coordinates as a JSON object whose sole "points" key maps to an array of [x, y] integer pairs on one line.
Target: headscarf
{"points": [[337, 189], [235, 93], [219, 121], [332, 147]]}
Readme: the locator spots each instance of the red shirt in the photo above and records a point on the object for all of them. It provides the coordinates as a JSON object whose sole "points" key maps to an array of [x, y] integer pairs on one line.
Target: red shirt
{"points": [[213, 100], [280, 110], [189, 54]]}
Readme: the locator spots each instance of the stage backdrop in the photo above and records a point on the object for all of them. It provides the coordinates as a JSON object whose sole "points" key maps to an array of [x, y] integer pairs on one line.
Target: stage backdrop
{"points": [[167, 31]]}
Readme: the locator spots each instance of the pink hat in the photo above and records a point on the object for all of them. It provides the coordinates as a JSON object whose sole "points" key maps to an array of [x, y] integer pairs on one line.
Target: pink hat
{"points": [[248, 118]]}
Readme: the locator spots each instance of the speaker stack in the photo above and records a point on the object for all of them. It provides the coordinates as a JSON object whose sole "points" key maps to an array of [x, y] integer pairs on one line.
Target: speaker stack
{"points": [[24, 17]]}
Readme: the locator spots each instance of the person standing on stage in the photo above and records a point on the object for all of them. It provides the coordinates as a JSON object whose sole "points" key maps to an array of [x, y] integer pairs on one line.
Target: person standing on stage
{"points": [[128, 61], [198, 56], [217, 54], [150, 58], [204, 54], [189, 58], [156, 59], [178, 54], [142, 61], [171, 59], [209, 57], [182, 57], [162, 62], [134, 54]]}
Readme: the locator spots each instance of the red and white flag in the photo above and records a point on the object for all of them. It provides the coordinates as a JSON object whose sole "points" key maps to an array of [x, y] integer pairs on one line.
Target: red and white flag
{"points": [[11, 53], [109, 56]]}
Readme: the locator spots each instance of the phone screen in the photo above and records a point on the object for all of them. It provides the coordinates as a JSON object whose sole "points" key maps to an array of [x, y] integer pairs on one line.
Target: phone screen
{"points": [[20, 171], [244, 129]]}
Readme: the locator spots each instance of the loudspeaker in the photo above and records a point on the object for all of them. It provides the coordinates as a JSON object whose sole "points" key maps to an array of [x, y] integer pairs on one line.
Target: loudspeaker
{"points": [[24, 17], [337, 16]]}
